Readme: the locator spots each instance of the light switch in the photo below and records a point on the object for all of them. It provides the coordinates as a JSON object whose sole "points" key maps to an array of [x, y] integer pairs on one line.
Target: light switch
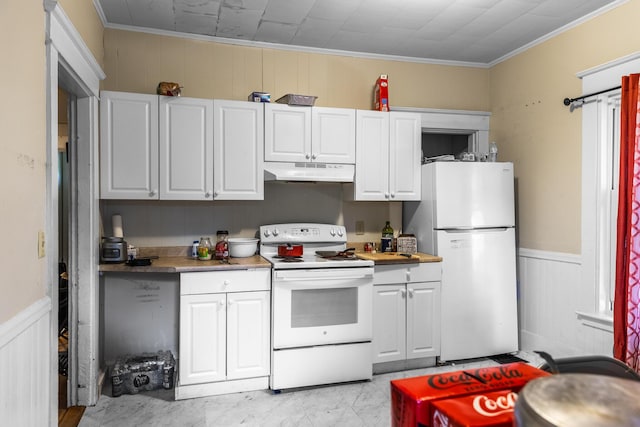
{"points": [[41, 244]]}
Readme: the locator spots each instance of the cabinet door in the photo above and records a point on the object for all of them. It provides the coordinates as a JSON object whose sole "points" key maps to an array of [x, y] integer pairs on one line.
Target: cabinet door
{"points": [[389, 317], [404, 156], [128, 146], [372, 155], [248, 338], [423, 319], [202, 338], [238, 150], [287, 133], [333, 135], [186, 148]]}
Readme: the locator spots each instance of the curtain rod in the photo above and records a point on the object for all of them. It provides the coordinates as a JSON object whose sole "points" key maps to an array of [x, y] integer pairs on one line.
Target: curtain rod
{"points": [[569, 101]]}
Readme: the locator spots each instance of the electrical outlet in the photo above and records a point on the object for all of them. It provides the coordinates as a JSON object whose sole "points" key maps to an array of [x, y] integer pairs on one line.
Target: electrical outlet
{"points": [[360, 227], [40, 244]]}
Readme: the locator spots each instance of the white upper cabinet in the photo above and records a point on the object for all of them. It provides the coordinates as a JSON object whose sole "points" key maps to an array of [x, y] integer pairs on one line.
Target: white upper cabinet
{"points": [[405, 156], [333, 135], [388, 146], [238, 146], [309, 134], [186, 148], [287, 133], [128, 146]]}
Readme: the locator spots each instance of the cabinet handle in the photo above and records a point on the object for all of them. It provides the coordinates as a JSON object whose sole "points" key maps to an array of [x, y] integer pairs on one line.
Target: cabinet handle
{"points": [[386, 195], [307, 156], [393, 195], [221, 303], [403, 293], [410, 293], [152, 193], [230, 302], [207, 194], [313, 157], [226, 283]]}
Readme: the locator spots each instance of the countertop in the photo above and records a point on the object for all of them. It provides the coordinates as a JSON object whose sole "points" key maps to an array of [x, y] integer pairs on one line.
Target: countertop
{"points": [[183, 264], [380, 258], [175, 260]]}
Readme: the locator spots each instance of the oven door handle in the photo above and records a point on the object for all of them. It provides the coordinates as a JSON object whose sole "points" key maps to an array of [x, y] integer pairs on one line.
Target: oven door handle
{"points": [[323, 279]]}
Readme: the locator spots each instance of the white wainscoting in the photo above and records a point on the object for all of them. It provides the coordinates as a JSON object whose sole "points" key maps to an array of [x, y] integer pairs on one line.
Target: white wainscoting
{"points": [[550, 294], [25, 367]]}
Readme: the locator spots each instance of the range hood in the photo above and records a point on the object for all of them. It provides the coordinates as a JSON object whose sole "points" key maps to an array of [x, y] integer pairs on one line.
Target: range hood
{"points": [[310, 172]]}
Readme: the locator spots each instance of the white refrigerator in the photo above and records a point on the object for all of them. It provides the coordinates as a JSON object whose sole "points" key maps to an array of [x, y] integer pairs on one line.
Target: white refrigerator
{"points": [[467, 216]]}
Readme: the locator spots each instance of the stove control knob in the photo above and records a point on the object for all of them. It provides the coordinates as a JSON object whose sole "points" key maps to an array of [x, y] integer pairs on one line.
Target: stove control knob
{"points": [[340, 233], [332, 232], [275, 232], [267, 233]]}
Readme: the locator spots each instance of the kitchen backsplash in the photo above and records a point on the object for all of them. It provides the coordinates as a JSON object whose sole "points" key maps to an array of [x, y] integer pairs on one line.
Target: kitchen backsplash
{"points": [[178, 223]]}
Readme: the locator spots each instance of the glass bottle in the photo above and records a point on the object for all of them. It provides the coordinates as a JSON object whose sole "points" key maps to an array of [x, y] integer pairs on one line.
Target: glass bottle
{"points": [[386, 243], [222, 245], [204, 249]]}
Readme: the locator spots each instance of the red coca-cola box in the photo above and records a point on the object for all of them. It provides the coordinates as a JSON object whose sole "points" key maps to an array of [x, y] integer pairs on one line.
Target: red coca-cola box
{"points": [[412, 398], [492, 409]]}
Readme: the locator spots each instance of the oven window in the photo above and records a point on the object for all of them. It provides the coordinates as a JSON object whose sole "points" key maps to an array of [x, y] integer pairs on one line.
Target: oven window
{"points": [[324, 307]]}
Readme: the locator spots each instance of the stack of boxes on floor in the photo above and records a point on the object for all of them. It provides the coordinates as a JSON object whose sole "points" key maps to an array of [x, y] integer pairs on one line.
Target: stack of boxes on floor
{"points": [[468, 398]]}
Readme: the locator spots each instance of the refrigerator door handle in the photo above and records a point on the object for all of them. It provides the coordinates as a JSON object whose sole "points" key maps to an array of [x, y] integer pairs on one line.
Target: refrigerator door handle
{"points": [[475, 230]]}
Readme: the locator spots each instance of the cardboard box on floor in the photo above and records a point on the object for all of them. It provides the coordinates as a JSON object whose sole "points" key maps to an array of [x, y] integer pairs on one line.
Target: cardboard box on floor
{"points": [[412, 399], [493, 409]]}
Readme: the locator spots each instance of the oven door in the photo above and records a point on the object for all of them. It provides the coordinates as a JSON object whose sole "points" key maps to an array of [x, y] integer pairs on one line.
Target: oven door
{"points": [[322, 306]]}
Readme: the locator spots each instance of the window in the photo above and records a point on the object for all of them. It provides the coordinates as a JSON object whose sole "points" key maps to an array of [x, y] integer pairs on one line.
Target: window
{"points": [[600, 170]]}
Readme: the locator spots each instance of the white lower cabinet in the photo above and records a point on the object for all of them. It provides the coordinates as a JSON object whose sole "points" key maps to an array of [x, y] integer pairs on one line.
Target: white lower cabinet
{"points": [[224, 332], [406, 316]]}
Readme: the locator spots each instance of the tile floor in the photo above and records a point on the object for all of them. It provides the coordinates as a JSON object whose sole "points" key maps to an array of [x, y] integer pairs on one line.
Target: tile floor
{"points": [[363, 403]]}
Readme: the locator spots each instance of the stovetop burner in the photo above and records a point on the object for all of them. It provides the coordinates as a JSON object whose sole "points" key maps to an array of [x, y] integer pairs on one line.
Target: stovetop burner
{"points": [[282, 258]]}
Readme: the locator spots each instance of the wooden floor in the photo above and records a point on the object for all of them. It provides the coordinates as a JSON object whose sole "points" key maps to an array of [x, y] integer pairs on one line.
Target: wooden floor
{"points": [[70, 417], [67, 416]]}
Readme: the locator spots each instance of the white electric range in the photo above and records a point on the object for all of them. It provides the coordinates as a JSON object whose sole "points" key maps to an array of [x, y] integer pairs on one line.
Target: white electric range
{"points": [[321, 307]]}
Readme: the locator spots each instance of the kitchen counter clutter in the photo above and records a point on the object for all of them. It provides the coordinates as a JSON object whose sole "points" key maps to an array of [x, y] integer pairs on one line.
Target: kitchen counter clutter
{"points": [[381, 258], [182, 264]]}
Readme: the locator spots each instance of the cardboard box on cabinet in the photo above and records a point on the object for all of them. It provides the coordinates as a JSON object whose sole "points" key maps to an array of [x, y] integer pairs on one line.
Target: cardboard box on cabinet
{"points": [[381, 94]]}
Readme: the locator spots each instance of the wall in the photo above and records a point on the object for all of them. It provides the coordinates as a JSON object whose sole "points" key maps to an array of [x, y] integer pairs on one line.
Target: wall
{"points": [[543, 137], [22, 154], [136, 62], [179, 223], [86, 20]]}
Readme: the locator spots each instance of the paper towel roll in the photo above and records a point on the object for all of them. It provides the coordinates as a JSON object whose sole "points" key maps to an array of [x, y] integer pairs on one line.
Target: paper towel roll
{"points": [[116, 223]]}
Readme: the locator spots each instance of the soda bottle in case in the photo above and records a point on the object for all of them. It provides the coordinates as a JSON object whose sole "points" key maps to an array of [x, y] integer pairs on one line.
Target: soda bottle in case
{"points": [[386, 243]]}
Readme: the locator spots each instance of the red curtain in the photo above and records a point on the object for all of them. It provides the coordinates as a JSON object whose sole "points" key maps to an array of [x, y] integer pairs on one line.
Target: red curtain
{"points": [[626, 311]]}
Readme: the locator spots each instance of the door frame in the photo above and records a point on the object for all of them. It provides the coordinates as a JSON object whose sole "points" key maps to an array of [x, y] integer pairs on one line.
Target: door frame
{"points": [[69, 62]]}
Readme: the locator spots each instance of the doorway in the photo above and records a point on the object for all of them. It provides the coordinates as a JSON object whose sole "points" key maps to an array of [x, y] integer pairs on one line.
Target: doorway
{"points": [[72, 67]]}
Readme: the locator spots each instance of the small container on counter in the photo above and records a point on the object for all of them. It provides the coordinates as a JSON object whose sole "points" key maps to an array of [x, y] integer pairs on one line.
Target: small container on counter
{"points": [[222, 245], [205, 250], [194, 249]]}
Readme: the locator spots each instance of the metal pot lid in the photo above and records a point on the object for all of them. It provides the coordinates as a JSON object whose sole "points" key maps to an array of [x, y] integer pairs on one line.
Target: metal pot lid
{"points": [[569, 400]]}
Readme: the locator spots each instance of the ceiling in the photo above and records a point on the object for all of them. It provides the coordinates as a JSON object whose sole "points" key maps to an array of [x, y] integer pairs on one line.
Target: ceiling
{"points": [[465, 31]]}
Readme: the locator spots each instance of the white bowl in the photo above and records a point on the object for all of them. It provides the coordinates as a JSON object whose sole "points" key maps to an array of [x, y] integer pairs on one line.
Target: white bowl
{"points": [[242, 247]]}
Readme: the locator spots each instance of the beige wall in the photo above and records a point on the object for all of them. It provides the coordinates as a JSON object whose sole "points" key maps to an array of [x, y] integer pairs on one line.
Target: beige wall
{"points": [[85, 19], [22, 154], [136, 62], [543, 137]]}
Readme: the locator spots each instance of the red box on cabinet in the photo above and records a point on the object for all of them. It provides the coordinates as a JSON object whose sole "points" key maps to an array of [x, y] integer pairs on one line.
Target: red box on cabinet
{"points": [[412, 399], [381, 94]]}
